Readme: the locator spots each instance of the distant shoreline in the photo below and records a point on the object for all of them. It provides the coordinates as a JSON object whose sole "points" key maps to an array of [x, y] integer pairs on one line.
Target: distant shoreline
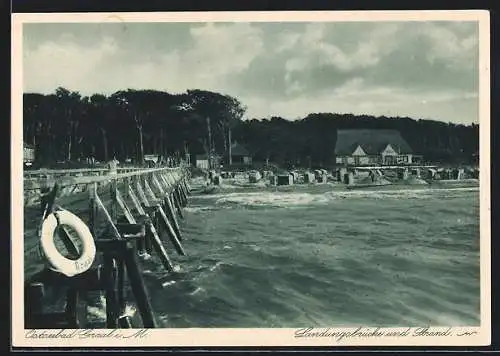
{"points": [[235, 185]]}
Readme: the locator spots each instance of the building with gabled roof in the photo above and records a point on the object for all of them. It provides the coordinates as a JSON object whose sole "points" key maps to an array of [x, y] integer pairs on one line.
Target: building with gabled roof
{"points": [[372, 147], [240, 155]]}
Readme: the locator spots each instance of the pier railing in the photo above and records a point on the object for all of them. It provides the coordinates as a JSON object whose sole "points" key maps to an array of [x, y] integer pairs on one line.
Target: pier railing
{"points": [[65, 178], [76, 172], [141, 210]]}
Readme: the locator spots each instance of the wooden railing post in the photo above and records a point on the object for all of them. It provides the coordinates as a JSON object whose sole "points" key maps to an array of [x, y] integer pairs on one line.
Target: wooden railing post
{"points": [[93, 209], [138, 287], [113, 191]]}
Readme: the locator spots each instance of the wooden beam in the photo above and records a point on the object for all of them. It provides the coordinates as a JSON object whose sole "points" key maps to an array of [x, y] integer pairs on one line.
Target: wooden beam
{"points": [[35, 184], [108, 217], [125, 209]]}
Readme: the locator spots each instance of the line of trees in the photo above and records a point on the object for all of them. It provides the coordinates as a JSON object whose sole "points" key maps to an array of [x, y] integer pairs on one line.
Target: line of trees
{"points": [[311, 140], [127, 124], [131, 123]]}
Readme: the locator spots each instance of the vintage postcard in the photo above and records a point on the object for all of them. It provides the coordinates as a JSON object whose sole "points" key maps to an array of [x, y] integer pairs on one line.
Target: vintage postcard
{"points": [[251, 179]]}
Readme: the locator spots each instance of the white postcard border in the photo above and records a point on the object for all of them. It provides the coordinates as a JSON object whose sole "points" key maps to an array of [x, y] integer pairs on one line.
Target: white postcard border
{"points": [[194, 337]]}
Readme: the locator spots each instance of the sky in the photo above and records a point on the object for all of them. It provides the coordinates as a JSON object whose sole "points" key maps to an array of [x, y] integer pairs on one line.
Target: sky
{"points": [[424, 70]]}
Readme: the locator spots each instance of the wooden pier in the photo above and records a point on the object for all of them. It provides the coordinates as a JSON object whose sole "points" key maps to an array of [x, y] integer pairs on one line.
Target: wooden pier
{"points": [[131, 214]]}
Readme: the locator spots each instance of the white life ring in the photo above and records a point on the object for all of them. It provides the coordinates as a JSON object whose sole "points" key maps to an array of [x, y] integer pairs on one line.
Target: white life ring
{"points": [[57, 261]]}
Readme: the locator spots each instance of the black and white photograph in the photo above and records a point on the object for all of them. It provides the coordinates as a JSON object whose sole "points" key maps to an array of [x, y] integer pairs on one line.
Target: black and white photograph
{"points": [[326, 177]]}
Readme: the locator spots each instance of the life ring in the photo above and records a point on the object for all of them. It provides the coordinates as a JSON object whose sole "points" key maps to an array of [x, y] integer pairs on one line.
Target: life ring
{"points": [[56, 260]]}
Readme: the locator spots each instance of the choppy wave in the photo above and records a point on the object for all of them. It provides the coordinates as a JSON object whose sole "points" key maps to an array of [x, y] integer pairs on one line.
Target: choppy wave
{"points": [[289, 199], [272, 199], [197, 209]]}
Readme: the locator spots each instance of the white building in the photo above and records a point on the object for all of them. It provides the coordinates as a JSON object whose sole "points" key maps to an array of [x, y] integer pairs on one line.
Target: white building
{"points": [[372, 146]]}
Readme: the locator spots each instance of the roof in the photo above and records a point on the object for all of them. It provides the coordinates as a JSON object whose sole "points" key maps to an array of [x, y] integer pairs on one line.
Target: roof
{"points": [[372, 141], [205, 156], [239, 150]]}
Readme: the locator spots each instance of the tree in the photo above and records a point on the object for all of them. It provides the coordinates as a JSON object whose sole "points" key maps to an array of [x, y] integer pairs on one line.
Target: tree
{"points": [[233, 115], [99, 106], [225, 112], [134, 104], [70, 105], [63, 125]]}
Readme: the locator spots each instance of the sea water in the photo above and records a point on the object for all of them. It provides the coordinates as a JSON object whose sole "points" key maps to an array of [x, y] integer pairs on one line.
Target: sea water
{"points": [[322, 257]]}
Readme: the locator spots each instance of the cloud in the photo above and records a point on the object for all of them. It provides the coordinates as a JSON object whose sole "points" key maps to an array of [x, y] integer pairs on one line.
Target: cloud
{"points": [[225, 48], [105, 65], [217, 52], [63, 63], [457, 52], [401, 55], [354, 97], [420, 69], [313, 49]]}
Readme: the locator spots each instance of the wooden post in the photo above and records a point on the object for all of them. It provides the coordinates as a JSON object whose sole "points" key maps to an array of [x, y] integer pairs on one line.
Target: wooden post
{"points": [[180, 197], [168, 211], [175, 198], [184, 191], [178, 192], [121, 285], [135, 201], [171, 232], [124, 322], [47, 199], [180, 185], [166, 181], [161, 188], [138, 288], [159, 249], [171, 214], [159, 214], [33, 304], [141, 194], [93, 209], [148, 237], [183, 195], [153, 236], [156, 183], [125, 209], [112, 307], [150, 192], [186, 186], [141, 242], [72, 299], [108, 217], [114, 192]]}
